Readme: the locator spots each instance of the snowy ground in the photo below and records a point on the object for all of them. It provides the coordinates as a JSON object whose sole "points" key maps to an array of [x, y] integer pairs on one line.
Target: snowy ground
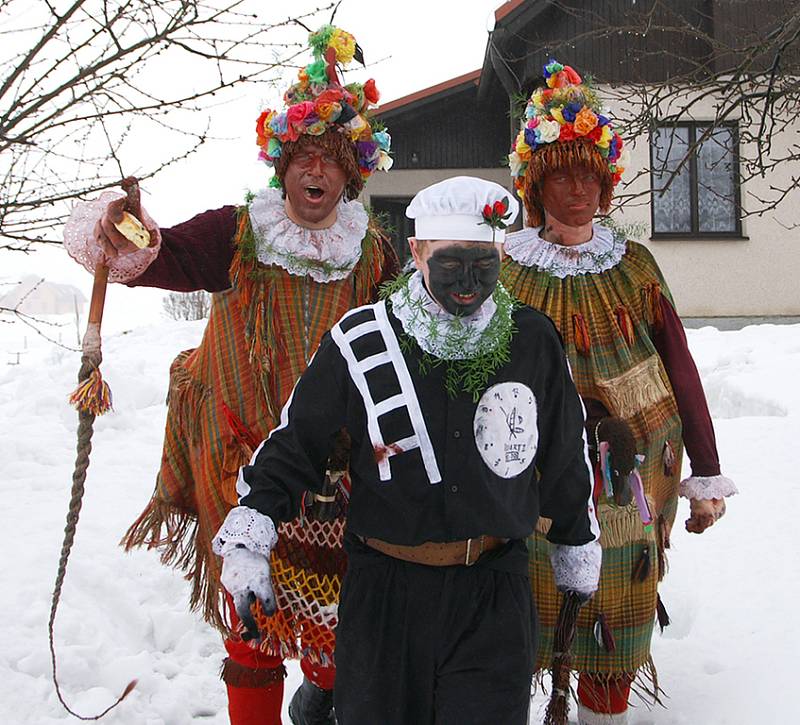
{"points": [[727, 658]]}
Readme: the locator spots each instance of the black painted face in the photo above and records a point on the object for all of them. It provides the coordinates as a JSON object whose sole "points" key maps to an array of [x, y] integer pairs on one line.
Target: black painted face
{"points": [[461, 277]]}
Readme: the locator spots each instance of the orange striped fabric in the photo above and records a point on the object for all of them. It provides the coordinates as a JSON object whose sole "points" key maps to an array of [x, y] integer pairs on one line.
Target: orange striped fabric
{"points": [[259, 338]]}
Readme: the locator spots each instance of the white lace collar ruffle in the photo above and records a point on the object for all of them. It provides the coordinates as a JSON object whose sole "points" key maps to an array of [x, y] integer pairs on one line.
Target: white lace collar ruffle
{"points": [[436, 331], [603, 251], [323, 254]]}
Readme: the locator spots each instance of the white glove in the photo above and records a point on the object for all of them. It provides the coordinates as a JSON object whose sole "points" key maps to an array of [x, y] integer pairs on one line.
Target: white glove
{"points": [[577, 568], [245, 541], [246, 576]]}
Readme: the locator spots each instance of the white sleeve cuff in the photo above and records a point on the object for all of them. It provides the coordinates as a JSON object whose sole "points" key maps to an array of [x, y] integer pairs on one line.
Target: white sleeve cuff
{"points": [[705, 487], [81, 245], [577, 568], [245, 527]]}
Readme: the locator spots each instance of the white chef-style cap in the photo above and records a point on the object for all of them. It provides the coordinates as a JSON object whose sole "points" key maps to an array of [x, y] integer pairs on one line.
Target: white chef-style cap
{"points": [[456, 209]]}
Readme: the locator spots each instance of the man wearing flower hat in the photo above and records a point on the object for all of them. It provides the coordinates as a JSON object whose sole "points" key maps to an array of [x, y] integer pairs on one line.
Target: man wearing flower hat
{"points": [[283, 270], [632, 367], [464, 425]]}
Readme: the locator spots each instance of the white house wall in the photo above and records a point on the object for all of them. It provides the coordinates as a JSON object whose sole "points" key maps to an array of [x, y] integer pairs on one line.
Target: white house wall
{"points": [[754, 276]]}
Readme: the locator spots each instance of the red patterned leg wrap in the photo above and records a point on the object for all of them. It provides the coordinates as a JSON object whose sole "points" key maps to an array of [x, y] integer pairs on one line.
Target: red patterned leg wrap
{"points": [[323, 677], [608, 696], [255, 705], [254, 680]]}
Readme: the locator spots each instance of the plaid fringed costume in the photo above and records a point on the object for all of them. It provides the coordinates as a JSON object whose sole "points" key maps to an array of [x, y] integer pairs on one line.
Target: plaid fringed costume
{"points": [[627, 351], [224, 398]]}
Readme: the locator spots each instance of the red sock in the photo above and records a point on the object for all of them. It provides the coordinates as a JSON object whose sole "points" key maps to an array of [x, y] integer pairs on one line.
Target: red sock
{"points": [[607, 696], [254, 681], [255, 705]]}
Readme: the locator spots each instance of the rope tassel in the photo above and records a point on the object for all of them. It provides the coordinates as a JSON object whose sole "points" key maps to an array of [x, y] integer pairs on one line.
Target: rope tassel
{"points": [[651, 305], [92, 395], [641, 569], [625, 323], [566, 626], [580, 331]]}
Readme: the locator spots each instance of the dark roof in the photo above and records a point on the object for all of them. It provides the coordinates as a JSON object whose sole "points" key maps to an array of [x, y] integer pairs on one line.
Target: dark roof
{"points": [[432, 93]]}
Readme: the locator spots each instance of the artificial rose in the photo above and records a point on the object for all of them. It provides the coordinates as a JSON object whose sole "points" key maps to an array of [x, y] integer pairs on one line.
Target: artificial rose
{"points": [[263, 131], [558, 80], [515, 163], [279, 124], [522, 148], [487, 211], [384, 161], [355, 126], [585, 121], [548, 130], [595, 134], [317, 128], [371, 91], [571, 75], [330, 95], [567, 133], [298, 112], [328, 111], [555, 112], [274, 148], [317, 72], [605, 138], [357, 97], [384, 139]]}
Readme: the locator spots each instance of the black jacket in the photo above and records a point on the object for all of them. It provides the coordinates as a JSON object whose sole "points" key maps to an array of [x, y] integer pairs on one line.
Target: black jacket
{"points": [[528, 425]]}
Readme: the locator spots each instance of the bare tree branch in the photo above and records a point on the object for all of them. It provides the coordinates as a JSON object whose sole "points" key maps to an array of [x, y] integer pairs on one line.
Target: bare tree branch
{"points": [[80, 81]]}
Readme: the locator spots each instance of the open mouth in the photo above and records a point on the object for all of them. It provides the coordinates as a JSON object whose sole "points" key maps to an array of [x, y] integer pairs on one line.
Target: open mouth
{"points": [[313, 193], [464, 299]]}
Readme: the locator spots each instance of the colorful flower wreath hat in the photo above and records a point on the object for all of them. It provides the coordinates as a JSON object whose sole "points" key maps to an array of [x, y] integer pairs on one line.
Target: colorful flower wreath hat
{"points": [[565, 117], [318, 103]]}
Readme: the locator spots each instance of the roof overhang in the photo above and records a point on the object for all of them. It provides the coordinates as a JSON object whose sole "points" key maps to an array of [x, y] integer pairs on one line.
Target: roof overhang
{"points": [[429, 95], [510, 18]]}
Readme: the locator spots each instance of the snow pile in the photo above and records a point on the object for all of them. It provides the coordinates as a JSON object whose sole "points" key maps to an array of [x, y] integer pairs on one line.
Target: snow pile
{"points": [[725, 660]]}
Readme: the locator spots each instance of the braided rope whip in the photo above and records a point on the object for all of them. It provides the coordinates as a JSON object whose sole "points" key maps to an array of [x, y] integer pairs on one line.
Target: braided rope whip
{"points": [[566, 625], [91, 398]]}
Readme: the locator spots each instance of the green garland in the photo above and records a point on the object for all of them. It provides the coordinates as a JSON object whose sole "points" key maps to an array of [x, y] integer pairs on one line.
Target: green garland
{"points": [[470, 375]]}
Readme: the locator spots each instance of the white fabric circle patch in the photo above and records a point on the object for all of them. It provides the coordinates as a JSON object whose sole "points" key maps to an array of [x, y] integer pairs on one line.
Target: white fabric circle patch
{"points": [[505, 428]]}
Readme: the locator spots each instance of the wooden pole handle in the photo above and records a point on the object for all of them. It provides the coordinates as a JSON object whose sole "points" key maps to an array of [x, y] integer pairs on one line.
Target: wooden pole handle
{"points": [[98, 294]]}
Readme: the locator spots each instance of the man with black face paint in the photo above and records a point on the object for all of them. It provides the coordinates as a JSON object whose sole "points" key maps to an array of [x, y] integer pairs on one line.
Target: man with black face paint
{"points": [[465, 426]]}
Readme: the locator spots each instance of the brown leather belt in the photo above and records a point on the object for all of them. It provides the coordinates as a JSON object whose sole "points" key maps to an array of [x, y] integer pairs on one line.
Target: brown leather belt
{"points": [[430, 553]]}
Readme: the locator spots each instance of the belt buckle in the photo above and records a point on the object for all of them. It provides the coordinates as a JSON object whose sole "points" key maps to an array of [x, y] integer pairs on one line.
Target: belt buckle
{"points": [[467, 562]]}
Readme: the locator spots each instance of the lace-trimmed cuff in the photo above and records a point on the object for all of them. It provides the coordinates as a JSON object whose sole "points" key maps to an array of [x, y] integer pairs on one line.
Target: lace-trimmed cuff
{"points": [[246, 527], [577, 568], [81, 245], [705, 487]]}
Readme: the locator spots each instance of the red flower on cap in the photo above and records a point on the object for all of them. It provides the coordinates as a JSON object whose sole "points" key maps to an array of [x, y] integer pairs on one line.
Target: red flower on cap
{"points": [[332, 95], [494, 215], [371, 92], [567, 133]]}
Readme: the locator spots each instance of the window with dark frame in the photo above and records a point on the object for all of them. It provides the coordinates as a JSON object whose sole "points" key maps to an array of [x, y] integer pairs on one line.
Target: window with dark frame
{"points": [[699, 198]]}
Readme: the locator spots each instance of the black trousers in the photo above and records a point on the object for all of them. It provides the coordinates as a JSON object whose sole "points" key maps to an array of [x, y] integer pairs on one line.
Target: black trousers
{"points": [[424, 645]]}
